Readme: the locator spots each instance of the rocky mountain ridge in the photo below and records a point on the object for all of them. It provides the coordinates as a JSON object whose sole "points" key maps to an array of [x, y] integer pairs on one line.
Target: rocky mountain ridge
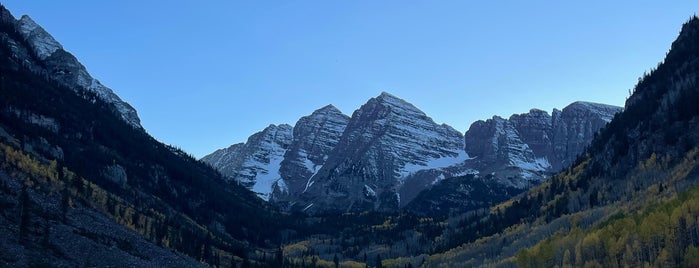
{"points": [[527, 147], [47, 56], [82, 186], [389, 151], [387, 142]]}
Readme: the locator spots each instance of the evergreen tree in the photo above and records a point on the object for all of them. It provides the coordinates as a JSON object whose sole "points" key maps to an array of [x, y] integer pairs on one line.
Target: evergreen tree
{"points": [[24, 216], [246, 262], [279, 257], [65, 204]]}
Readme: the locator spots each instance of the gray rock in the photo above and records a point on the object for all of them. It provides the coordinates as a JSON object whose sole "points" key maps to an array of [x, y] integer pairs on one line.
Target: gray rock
{"points": [[116, 174], [256, 163], [63, 67], [575, 127], [389, 151], [314, 138], [386, 143], [524, 149]]}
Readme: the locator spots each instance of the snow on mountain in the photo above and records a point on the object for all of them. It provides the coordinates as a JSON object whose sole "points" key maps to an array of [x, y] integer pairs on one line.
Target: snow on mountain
{"points": [[386, 143], [279, 162], [575, 126], [389, 151], [256, 163], [314, 137], [65, 68], [41, 40], [524, 149], [604, 111]]}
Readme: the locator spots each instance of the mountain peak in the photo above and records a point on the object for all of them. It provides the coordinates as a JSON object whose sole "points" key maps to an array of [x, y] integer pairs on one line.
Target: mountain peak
{"points": [[537, 111], [604, 111], [385, 94], [327, 109], [40, 39], [388, 97], [5, 14], [400, 106], [44, 53], [589, 103], [279, 127]]}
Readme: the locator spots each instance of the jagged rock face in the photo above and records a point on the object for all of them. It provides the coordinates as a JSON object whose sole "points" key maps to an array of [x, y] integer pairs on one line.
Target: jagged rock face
{"points": [[227, 160], [575, 127], [389, 151], [314, 137], [527, 147], [536, 130], [63, 67], [386, 142], [256, 163]]}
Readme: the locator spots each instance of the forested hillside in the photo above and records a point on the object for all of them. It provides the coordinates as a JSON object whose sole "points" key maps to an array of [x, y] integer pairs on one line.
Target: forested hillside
{"points": [[638, 174], [85, 153]]}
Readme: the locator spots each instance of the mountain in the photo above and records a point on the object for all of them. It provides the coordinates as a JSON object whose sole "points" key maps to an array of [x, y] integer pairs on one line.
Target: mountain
{"points": [[386, 142], [629, 200], [526, 148], [81, 184], [389, 144], [51, 59], [389, 152], [255, 164], [512, 155], [315, 136], [277, 162]]}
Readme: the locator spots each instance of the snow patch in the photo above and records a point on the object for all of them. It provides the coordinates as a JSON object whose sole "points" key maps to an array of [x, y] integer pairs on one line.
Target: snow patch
{"points": [[605, 111], [368, 191], [307, 207], [313, 168], [540, 164], [41, 41], [438, 179], [433, 163], [268, 175], [281, 185], [466, 172]]}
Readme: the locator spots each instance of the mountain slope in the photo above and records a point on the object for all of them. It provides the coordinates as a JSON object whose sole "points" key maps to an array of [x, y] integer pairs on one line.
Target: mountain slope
{"points": [[48, 57], [512, 155], [390, 151], [278, 162], [315, 136], [460, 194], [386, 142], [108, 170], [526, 148], [641, 166], [255, 164]]}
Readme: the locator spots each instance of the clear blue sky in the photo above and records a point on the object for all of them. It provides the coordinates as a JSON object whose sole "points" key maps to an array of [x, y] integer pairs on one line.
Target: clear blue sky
{"points": [[207, 74]]}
